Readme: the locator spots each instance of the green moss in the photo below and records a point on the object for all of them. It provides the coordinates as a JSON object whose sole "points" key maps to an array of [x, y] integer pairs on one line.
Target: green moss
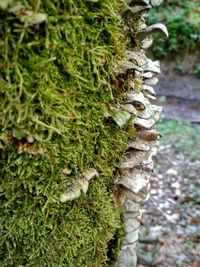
{"points": [[53, 70], [55, 86], [38, 230]]}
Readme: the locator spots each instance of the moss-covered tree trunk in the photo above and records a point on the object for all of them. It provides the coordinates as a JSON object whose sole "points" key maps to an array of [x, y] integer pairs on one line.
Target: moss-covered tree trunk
{"points": [[74, 90]]}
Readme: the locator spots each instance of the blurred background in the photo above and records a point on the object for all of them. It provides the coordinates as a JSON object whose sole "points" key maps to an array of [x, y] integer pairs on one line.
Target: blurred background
{"points": [[170, 235]]}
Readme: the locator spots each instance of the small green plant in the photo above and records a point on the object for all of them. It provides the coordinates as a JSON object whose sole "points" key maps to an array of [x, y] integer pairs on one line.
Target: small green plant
{"points": [[183, 25], [183, 135], [197, 70]]}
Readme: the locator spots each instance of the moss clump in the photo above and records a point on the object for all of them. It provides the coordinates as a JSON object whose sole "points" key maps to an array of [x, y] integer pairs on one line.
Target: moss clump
{"points": [[55, 88]]}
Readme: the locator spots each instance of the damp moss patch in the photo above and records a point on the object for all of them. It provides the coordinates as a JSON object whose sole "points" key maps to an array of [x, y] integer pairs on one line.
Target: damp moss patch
{"points": [[55, 92]]}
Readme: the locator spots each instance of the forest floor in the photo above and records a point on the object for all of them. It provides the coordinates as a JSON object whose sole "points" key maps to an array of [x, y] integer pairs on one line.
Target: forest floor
{"points": [[170, 234]]}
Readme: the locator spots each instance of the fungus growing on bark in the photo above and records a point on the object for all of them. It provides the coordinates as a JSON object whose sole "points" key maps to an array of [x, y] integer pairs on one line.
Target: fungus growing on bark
{"points": [[155, 28], [78, 186]]}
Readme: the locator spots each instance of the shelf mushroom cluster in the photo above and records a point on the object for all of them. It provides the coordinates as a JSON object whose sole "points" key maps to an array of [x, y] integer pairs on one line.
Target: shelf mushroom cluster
{"points": [[135, 172]]}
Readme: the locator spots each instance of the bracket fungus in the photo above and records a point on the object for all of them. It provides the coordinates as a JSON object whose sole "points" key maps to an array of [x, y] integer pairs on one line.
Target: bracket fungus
{"points": [[151, 81], [155, 28], [126, 65], [78, 186]]}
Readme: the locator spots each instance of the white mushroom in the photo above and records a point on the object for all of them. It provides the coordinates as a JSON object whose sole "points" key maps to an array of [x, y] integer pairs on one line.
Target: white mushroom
{"points": [[136, 214], [137, 99], [146, 75], [146, 189], [139, 144], [151, 97], [146, 2], [132, 197]]}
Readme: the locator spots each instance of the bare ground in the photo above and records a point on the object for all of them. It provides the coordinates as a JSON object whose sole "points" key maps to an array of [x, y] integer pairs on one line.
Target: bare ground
{"points": [[171, 229]]}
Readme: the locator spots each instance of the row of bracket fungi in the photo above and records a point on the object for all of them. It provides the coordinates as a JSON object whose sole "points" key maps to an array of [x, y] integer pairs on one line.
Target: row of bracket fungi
{"points": [[133, 181]]}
